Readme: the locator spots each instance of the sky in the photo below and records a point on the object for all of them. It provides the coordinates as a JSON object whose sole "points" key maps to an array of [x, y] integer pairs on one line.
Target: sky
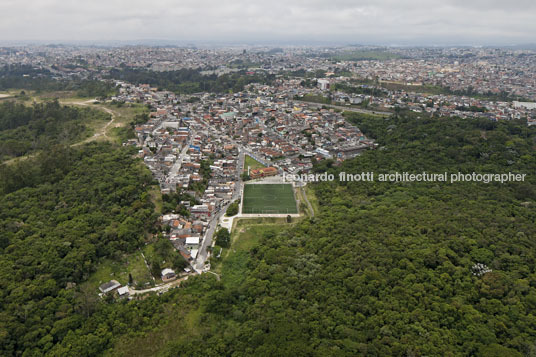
{"points": [[385, 22]]}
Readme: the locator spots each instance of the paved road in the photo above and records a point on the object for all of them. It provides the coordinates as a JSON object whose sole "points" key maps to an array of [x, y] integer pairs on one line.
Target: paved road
{"points": [[207, 240], [202, 255], [177, 165], [241, 161]]}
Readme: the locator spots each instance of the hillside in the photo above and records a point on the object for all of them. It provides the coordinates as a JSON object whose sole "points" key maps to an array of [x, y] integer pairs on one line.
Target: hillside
{"points": [[385, 268], [26, 129], [61, 213], [382, 268]]}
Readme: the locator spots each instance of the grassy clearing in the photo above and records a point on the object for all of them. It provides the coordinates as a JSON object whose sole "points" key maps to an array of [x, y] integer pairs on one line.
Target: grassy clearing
{"points": [[315, 99], [119, 270], [121, 130], [125, 113], [309, 191], [252, 164], [61, 95], [181, 320], [424, 89], [156, 198], [363, 116], [303, 207], [269, 198], [245, 236], [151, 256]]}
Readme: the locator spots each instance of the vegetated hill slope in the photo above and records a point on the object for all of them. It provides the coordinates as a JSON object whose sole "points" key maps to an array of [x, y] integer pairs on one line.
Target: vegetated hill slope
{"points": [[60, 214], [387, 268], [383, 269]]}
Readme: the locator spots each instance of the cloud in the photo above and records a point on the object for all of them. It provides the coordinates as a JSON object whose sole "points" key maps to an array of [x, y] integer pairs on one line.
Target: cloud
{"points": [[361, 21]]}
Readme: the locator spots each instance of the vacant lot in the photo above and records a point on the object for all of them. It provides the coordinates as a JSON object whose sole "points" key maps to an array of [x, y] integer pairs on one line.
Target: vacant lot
{"points": [[269, 198], [252, 164]]}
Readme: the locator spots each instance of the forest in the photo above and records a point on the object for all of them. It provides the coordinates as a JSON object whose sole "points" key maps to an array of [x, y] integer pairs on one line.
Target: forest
{"points": [[384, 268], [188, 81], [62, 212], [369, 90], [28, 128], [42, 80]]}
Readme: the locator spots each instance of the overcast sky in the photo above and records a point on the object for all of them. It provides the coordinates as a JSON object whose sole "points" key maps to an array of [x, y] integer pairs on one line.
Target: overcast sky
{"points": [[287, 21]]}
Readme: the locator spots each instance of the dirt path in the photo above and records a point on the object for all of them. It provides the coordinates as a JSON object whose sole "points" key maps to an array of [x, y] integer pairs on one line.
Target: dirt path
{"points": [[102, 131], [304, 194], [159, 288]]}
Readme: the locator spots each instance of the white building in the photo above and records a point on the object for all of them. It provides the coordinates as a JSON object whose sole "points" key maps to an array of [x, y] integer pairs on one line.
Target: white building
{"points": [[323, 84], [192, 243], [526, 105]]}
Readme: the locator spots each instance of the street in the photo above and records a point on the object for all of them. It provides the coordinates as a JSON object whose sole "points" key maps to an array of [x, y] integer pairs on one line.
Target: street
{"points": [[202, 254]]}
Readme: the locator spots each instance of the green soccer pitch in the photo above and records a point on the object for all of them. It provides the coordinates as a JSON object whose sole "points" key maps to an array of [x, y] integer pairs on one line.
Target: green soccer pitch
{"points": [[269, 198]]}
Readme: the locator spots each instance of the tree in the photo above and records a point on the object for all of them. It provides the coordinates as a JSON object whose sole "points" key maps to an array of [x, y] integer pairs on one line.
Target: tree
{"points": [[223, 238], [156, 268], [233, 209], [86, 299], [179, 263], [163, 247]]}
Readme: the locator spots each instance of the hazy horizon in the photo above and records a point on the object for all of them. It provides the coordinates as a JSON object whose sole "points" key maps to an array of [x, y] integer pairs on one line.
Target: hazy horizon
{"points": [[381, 22]]}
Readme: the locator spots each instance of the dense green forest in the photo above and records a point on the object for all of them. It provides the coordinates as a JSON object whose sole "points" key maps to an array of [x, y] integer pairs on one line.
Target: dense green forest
{"points": [[42, 80], [188, 81], [382, 269], [60, 214], [24, 129]]}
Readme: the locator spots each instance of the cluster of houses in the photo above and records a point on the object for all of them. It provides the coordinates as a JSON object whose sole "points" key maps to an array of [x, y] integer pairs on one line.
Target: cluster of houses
{"points": [[265, 122], [195, 145], [115, 289], [438, 104]]}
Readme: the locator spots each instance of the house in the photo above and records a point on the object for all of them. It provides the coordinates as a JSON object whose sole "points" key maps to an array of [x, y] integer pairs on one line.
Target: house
{"points": [[200, 211], [168, 274], [123, 292], [109, 286], [192, 243]]}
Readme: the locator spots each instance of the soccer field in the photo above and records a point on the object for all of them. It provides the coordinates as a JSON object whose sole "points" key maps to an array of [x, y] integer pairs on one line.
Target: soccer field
{"points": [[269, 198]]}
